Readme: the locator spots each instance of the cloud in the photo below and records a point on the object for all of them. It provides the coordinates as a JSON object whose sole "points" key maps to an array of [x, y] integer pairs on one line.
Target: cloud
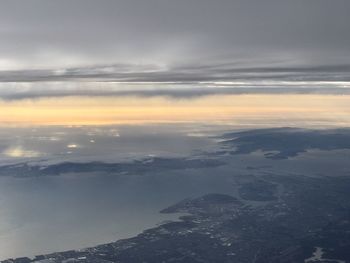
{"points": [[168, 46], [187, 73], [176, 91], [52, 34], [181, 81]]}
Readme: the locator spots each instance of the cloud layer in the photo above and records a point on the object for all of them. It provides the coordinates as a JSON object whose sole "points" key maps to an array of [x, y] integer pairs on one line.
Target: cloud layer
{"points": [[51, 34], [196, 43]]}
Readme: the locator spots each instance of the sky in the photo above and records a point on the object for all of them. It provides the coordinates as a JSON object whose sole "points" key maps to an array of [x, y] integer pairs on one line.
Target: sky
{"points": [[239, 111], [184, 40], [177, 49]]}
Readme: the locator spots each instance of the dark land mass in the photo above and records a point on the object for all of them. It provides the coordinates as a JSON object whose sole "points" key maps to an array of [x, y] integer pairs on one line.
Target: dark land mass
{"points": [[282, 143], [280, 226], [134, 167]]}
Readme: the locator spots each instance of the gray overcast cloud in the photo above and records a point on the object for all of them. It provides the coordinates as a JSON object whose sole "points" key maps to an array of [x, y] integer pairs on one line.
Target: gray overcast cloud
{"points": [[174, 41]]}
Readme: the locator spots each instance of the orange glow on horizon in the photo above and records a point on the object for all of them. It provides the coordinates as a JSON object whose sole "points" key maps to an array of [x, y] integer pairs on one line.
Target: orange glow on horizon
{"points": [[135, 110]]}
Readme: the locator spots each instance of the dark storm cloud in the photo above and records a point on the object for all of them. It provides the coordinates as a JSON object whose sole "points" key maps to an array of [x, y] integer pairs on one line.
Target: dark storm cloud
{"points": [[90, 32], [194, 73], [173, 91], [183, 41]]}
